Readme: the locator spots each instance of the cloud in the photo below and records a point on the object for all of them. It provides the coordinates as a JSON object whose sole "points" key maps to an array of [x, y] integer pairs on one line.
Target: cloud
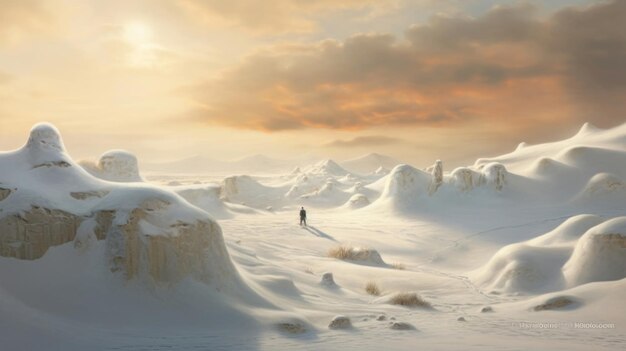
{"points": [[508, 66], [363, 141]]}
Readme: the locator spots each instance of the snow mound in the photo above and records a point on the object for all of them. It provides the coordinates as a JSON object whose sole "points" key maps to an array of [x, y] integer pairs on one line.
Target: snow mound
{"points": [[495, 175], [115, 166], [535, 265], [357, 201], [583, 249], [208, 197], [599, 255], [404, 185], [465, 179], [602, 187]]}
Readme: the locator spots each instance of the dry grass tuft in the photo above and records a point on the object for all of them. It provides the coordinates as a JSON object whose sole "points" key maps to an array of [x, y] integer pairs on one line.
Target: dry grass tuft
{"points": [[341, 252], [398, 266], [409, 300], [372, 288], [356, 254]]}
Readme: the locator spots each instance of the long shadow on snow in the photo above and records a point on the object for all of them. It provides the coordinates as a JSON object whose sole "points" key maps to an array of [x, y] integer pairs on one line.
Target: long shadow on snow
{"points": [[319, 233]]}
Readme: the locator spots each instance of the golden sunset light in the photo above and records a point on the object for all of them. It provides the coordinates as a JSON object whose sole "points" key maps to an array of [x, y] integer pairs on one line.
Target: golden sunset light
{"points": [[285, 77]]}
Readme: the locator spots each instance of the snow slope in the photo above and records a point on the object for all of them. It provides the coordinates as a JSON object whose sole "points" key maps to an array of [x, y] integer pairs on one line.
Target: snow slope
{"points": [[525, 247]]}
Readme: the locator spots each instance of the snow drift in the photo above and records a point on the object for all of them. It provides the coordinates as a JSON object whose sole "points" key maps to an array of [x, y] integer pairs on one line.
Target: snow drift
{"points": [[583, 249]]}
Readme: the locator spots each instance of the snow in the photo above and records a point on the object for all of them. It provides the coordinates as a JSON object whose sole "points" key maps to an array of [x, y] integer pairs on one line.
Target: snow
{"points": [[370, 163], [216, 261], [115, 166]]}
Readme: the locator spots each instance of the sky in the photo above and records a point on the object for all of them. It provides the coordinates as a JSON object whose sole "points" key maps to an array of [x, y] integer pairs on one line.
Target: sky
{"points": [[418, 80]]}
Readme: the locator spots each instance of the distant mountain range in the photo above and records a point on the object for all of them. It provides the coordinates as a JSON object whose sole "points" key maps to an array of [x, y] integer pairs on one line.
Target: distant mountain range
{"points": [[264, 164], [369, 163]]}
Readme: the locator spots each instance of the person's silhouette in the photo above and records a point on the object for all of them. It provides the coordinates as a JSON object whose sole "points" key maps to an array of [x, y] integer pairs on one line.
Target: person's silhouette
{"points": [[303, 216]]}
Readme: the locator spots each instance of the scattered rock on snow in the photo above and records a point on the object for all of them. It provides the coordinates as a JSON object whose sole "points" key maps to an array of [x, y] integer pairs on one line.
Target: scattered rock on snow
{"points": [[340, 322], [401, 326], [486, 309], [291, 327], [328, 280]]}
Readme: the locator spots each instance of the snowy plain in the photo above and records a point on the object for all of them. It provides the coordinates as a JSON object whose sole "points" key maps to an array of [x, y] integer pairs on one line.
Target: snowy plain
{"points": [[522, 251]]}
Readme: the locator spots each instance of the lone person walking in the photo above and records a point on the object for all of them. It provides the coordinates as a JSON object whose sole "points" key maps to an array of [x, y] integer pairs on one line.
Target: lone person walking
{"points": [[303, 216]]}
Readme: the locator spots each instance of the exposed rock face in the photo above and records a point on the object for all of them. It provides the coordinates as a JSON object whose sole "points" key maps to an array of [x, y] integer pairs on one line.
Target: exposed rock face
{"points": [[84, 195], [166, 259], [151, 233], [495, 174], [4, 193], [437, 174], [465, 179], [28, 235]]}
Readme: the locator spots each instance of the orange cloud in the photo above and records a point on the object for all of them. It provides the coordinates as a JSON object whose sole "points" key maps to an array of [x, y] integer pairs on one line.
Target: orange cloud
{"points": [[508, 66]]}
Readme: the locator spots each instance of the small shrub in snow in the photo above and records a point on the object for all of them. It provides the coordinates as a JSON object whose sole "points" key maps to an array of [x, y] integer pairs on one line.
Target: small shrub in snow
{"points": [[398, 266], [356, 254], [372, 288], [555, 303], [409, 300]]}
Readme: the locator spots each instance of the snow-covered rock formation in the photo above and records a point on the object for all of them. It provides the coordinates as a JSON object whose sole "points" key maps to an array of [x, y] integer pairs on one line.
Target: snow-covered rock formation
{"points": [[357, 201], [150, 233], [115, 166], [404, 185], [436, 171], [583, 249], [599, 255]]}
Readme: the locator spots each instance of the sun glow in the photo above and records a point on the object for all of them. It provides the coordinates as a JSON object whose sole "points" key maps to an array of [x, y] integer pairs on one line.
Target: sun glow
{"points": [[137, 33]]}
